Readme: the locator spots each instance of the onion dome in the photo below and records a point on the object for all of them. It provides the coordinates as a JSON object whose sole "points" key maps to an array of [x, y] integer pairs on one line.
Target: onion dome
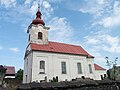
{"points": [[38, 18]]}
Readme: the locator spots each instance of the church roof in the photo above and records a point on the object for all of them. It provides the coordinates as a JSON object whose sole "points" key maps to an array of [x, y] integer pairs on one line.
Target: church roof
{"points": [[61, 48], [97, 67]]}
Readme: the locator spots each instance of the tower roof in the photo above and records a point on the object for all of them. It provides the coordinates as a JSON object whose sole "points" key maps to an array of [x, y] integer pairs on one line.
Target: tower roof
{"points": [[38, 18]]}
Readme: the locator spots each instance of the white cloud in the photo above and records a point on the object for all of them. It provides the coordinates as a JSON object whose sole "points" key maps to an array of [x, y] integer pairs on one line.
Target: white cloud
{"points": [[95, 7], [26, 10], [114, 18], [104, 42], [105, 12], [28, 1], [60, 30], [47, 6], [8, 3], [55, 0], [14, 49], [106, 16], [47, 10], [34, 7]]}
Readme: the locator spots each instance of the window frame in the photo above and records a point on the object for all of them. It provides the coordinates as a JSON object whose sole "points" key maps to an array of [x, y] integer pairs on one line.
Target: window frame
{"points": [[29, 38], [63, 67], [42, 67], [90, 68], [40, 35], [79, 68]]}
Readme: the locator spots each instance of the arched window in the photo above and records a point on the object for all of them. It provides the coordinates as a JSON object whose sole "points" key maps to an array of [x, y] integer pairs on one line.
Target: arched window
{"points": [[42, 67], [90, 68], [63, 66], [39, 35], [79, 68]]}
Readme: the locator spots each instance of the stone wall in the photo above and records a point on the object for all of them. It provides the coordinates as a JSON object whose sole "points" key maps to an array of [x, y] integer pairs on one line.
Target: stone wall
{"points": [[73, 85], [10, 84]]}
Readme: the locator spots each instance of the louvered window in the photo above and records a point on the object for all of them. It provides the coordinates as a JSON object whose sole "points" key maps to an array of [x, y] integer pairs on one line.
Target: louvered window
{"points": [[39, 35]]}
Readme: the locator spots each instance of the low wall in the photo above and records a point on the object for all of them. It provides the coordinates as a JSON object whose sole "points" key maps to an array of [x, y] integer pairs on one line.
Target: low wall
{"points": [[10, 84], [73, 85]]}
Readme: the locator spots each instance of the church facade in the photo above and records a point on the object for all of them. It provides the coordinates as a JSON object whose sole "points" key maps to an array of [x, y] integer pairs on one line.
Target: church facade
{"points": [[45, 59]]}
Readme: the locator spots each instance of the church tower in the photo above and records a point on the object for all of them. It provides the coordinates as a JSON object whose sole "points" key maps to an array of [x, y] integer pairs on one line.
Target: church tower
{"points": [[38, 32]]}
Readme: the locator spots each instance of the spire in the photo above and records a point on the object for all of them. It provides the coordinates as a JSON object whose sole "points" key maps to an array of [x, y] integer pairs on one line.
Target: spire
{"points": [[38, 17], [38, 14], [38, 6]]}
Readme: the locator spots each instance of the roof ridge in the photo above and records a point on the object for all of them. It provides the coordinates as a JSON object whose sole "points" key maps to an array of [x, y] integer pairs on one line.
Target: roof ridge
{"points": [[65, 43], [72, 45], [8, 66]]}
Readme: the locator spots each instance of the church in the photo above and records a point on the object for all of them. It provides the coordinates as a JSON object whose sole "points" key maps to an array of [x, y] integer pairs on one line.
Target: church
{"points": [[46, 59]]}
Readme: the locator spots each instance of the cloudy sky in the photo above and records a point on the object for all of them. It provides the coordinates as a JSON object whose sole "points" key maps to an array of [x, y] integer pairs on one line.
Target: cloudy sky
{"points": [[94, 25]]}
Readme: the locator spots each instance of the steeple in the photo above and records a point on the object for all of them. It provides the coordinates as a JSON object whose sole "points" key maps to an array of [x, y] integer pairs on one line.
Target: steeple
{"points": [[38, 14], [38, 17], [38, 32]]}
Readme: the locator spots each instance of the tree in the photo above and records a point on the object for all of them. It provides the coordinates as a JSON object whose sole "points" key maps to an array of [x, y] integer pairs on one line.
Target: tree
{"points": [[19, 74], [114, 72], [2, 75]]}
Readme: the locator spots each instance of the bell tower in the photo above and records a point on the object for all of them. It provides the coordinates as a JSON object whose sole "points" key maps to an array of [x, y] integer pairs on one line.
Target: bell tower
{"points": [[38, 32]]}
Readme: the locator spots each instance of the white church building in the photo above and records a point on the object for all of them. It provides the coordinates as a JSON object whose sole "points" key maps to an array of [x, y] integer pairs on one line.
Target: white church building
{"points": [[45, 59]]}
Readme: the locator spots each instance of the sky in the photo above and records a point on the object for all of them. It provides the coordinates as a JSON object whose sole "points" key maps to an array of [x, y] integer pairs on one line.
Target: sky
{"points": [[92, 24]]}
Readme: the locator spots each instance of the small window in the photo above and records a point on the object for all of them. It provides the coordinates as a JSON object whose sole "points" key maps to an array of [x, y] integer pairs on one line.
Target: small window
{"points": [[26, 78], [29, 38], [90, 68], [39, 35], [63, 65], [79, 68], [42, 67], [27, 62]]}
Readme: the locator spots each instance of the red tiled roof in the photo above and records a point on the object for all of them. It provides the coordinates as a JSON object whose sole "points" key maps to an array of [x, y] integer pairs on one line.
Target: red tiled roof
{"points": [[10, 70], [61, 48], [97, 67]]}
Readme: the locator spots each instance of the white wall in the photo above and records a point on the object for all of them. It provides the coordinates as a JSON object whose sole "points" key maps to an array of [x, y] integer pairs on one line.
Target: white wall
{"points": [[98, 74], [33, 32], [90, 61], [53, 66], [28, 67]]}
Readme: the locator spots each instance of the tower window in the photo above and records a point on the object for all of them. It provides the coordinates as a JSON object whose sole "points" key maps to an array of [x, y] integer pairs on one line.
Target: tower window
{"points": [[39, 35], [42, 67]]}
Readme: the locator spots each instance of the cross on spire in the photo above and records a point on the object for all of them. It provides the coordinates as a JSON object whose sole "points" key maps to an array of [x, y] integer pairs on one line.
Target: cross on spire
{"points": [[38, 6]]}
